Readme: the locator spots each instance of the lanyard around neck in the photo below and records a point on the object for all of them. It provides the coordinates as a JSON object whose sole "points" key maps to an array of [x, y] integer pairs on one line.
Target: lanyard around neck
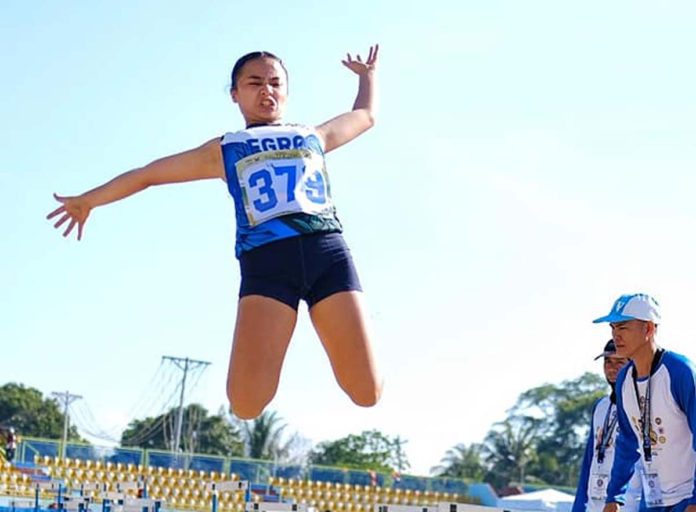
{"points": [[610, 420], [645, 410]]}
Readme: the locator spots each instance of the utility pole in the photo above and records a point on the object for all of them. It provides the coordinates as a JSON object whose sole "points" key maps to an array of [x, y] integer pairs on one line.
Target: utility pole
{"points": [[185, 364], [66, 399], [400, 458]]}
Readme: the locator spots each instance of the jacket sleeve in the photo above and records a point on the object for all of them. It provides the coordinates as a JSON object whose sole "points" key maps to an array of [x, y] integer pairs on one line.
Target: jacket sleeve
{"points": [[581, 497], [683, 387], [627, 450]]}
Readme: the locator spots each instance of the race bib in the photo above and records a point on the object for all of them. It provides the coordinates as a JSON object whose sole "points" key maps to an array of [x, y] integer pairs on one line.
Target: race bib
{"points": [[652, 491], [598, 485], [276, 183]]}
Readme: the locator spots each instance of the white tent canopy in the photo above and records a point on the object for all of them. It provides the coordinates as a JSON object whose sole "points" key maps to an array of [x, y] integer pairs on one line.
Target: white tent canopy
{"points": [[546, 500]]}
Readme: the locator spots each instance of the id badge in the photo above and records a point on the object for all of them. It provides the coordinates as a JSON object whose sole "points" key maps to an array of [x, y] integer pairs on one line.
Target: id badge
{"points": [[598, 485], [652, 491]]}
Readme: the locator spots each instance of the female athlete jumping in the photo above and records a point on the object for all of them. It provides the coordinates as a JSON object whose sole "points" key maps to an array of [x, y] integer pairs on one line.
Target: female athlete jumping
{"points": [[288, 242]]}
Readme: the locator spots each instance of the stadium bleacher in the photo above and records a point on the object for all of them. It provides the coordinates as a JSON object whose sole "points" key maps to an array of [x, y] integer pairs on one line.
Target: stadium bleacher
{"points": [[190, 488]]}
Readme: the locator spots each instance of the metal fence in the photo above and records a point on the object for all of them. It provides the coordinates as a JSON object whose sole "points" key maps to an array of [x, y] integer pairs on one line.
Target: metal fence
{"points": [[256, 471]]}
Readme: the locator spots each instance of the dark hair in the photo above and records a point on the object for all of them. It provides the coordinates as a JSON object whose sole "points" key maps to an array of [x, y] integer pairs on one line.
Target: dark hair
{"points": [[251, 56]]}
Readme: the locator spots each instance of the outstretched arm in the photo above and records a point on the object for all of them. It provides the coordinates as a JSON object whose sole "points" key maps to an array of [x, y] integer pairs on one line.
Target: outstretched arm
{"points": [[346, 127], [203, 162]]}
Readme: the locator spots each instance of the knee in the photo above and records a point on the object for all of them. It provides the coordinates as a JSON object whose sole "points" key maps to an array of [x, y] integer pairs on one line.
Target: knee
{"points": [[244, 412], [245, 406], [367, 396], [249, 397], [245, 409]]}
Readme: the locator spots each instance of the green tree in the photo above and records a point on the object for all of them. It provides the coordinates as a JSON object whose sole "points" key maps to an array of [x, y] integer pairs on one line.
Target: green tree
{"points": [[509, 450], [200, 432], [31, 414], [370, 450], [265, 438], [565, 411], [463, 462], [541, 441]]}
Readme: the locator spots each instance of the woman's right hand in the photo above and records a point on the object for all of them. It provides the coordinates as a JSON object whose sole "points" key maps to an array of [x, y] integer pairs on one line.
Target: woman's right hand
{"points": [[74, 209], [203, 162]]}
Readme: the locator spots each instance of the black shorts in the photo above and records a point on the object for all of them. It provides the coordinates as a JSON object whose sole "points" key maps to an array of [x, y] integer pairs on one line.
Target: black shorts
{"points": [[308, 267]]}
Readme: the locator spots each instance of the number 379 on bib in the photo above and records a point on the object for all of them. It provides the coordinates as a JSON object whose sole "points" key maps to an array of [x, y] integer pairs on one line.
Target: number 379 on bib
{"points": [[279, 184]]}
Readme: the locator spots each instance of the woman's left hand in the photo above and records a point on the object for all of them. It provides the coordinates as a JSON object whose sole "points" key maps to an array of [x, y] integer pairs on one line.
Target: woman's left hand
{"points": [[359, 67]]}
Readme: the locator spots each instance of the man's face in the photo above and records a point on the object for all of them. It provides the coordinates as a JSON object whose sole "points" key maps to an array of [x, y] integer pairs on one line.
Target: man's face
{"points": [[631, 336], [612, 365]]}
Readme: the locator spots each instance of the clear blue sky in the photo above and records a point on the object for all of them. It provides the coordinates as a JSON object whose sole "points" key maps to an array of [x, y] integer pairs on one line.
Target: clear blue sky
{"points": [[532, 161]]}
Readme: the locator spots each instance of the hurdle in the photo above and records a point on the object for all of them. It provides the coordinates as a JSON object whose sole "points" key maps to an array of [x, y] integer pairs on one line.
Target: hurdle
{"points": [[19, 503], [466, 507], [440, 507], [118, 501], [62, 499], [405, 508], [91, 489], [229, 486], [76, 503], [272, 506], [50, 486]]}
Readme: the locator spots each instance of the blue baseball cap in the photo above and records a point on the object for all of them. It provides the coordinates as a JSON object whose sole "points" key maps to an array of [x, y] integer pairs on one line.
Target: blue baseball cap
{"points": [[636, 306]]}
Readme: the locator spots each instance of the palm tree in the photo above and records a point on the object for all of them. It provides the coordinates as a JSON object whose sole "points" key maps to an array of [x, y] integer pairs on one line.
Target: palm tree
{"points": [[510, 447], [462, 461], [263, 437]]}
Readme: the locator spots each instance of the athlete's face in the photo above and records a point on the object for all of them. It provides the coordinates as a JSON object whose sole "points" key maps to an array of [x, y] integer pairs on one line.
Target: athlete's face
{"points": [[261, 91], [632, 337], [612, 365]]}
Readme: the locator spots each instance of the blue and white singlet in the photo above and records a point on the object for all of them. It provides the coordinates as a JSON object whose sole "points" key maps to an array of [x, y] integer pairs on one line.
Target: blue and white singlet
{"points": [[277, 178]]}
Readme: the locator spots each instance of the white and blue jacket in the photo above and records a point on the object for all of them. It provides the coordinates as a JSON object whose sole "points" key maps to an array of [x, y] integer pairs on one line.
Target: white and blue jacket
{"points": [[672, 426], [586, 498]]}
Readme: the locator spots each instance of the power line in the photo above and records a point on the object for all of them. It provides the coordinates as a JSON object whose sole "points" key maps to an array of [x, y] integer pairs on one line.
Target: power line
{"points": [[67, 399], [87, 423], [148, 431], [186, 365], [147, 401]]}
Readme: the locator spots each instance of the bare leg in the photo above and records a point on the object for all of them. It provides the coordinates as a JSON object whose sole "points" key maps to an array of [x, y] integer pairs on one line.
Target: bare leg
{"points": [[261, 337], [341, 325]]}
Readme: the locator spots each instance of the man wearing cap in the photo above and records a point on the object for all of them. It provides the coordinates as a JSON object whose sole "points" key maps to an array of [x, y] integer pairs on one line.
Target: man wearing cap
{"points": [[599, 451], [656, 404]]}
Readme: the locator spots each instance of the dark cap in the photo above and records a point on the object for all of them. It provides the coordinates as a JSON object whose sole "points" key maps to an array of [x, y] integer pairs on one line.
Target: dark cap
{"points": [[609, 350]]}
